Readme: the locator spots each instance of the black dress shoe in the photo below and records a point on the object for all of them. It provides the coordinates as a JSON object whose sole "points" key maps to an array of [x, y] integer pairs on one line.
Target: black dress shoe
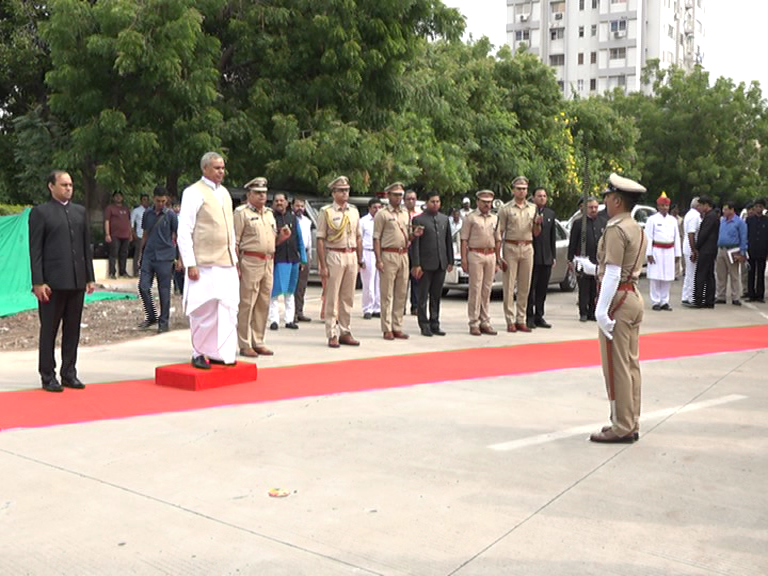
{"points": [[543, 324], [656, 307], [531, 325], [592, 318], [720, 301], [425, 331], [52, 386], [666, 307], [583, 318], [146, 324], [436, 331], [221, 362], [273, 326], [201, 363], [414, 311], [736, 302], [292, 325], [162, 328], [376, 314], [367, 316], [72, 383]]}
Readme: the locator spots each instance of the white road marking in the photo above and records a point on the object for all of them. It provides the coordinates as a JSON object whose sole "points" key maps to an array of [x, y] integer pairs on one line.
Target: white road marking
{"points": [[576, 431], [753, 307]]}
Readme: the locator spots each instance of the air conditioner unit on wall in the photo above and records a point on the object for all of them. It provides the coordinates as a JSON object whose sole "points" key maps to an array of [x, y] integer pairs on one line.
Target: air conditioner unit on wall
{"points": [[620, 34], [523, 17], [558, 15]]}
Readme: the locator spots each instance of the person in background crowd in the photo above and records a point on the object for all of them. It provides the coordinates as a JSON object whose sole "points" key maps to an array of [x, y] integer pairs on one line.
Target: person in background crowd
{"points": [[691, 224], [466, 208], [305, 226], [675, 212], [456, 223], [178, 265], [731, 253], [117, 233], [749, 209], [160, 225], [705, 254], [206, 241], [595, 226], [544, 252], [757, 233], [413, 211], [369, 275], [62, 272], [431, 257], [136, 215], [663, 253], [289, 256]]}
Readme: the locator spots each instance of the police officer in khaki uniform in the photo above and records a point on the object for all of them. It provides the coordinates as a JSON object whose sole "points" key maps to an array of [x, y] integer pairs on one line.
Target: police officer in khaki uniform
{"points": [[255, 237], [339, 253], [518, 224], [391, 237], [479, 247], [620, 308]]}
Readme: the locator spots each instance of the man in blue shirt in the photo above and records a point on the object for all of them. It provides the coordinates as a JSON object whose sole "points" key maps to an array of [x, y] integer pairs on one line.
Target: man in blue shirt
{"points": [[731, 252], [160, 225]]}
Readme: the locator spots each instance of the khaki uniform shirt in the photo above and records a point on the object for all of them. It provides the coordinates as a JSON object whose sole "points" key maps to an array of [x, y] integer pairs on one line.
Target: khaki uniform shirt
{"points": [[339, 227], [516, 222], [391, 227], [255, 231], [480, 230], [623, 244]]}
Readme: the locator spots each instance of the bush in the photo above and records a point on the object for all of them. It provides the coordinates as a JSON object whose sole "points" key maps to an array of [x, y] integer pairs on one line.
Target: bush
{"points": [[11, 209]]}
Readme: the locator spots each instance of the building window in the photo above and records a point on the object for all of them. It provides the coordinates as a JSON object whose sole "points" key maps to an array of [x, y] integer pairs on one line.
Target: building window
{"points": [[593, 84], [522, 35], [560, 85], [581, 4], [671, 32], [618, 53], [581, 58], [622, 80], [618, 1], [593, 30], [557, 33], [558, 7], [580, 85], [581, 31], [618, 25], [557, 60], [593, 58], [595, 4]]}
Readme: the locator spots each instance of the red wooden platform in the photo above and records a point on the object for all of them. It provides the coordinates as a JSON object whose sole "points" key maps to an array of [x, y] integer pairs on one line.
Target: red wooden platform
{"points": [[187, 377]]}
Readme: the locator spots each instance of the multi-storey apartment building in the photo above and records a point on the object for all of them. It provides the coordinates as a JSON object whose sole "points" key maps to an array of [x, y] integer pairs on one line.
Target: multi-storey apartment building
{"points": [[597, 45]]}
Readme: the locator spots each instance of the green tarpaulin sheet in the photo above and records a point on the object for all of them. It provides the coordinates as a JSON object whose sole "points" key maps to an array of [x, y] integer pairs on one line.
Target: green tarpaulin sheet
{"points": [[15, 272]]}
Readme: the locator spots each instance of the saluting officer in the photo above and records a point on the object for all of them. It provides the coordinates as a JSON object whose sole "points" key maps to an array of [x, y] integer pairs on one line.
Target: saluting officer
{"points": [[339, 253], [479, 247], [518, 224], [620, 308], [255, 238]]}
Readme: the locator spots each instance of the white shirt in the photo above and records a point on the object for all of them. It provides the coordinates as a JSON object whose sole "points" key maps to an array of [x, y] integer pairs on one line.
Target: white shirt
{"points": [[691, 224], [663, 230], [136, 217], [366, 231], [306, 234]]}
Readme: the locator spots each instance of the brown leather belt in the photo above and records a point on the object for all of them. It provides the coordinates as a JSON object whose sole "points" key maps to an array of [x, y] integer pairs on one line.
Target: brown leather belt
{"points": [[519, 241], [395, 250], [342, 249], [485, 251], [626, 287], [663, 244], [262, 255]]}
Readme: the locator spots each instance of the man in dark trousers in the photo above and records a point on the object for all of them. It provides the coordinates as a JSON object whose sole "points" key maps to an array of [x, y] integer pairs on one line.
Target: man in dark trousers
{"points": [[431, 256], [158, 251], [757, 239], [705, 254], [544, 252], [62, 271], [118, 234], [587, 284]]}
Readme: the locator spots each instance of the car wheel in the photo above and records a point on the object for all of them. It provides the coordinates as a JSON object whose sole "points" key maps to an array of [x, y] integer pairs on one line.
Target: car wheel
{"points": [[569, 282]]}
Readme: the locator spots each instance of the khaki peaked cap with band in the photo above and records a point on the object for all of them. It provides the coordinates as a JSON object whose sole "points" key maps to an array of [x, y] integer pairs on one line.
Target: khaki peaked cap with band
{"points": [[256, 185], [485, 194], [618, 183], [340, 182], [520, 179], [395, 188]]}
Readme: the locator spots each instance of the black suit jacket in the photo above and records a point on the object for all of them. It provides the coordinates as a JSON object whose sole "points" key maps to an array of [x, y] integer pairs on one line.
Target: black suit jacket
{"points": [[595, 229], [60, 246], [433, 250], [709, 230], [757, 236], [544, 247]]}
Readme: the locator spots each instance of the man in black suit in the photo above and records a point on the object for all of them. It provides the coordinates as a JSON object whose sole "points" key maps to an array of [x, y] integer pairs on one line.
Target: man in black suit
{"points": [[595, 226], [431, 257], [704, 255], [544, 252], [62, 270]]}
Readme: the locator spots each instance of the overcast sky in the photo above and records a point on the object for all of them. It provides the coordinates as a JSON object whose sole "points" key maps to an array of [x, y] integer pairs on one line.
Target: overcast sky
{"points": [[734, 31]]}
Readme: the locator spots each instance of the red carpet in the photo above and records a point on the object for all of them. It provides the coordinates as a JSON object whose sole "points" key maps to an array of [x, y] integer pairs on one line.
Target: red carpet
{"points": [[35, 408]]}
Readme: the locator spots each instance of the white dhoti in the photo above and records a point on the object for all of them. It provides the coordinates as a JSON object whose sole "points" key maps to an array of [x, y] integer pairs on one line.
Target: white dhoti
{"points": [[664, 246], [211, 303], [690, 273]]}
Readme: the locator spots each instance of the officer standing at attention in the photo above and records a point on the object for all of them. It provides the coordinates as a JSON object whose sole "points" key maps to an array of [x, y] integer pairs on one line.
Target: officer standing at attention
{"points": [[620, 308], [479, 247], [339, 253], [519, 222], [255, 234]]}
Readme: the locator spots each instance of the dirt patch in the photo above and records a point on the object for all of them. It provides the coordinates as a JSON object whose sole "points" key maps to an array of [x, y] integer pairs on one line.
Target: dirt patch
{"points": [[104, 322]]}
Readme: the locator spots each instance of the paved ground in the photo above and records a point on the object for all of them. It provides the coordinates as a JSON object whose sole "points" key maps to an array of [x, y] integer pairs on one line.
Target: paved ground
{"points": [[479, 477]]}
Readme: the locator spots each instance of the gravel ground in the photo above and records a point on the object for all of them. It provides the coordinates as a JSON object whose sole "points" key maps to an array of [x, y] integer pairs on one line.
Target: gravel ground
{"points": [[103, 322]]}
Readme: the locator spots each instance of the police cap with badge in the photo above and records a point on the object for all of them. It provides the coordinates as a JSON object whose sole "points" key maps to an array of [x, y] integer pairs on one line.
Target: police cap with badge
{"points": [[623, 185], [258, 184]]}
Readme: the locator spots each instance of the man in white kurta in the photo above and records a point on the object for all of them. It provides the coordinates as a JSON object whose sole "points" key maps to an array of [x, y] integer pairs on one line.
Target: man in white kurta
{"points": [[691, 224], [370, 274], [663, 252], [206, 243]]}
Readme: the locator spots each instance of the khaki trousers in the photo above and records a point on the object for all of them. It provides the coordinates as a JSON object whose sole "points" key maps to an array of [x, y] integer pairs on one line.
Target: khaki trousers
{"points": [[256, 277], [339, 291], [727, 273], [621, 362], [482, 269], [394, 290], [519, 259]]}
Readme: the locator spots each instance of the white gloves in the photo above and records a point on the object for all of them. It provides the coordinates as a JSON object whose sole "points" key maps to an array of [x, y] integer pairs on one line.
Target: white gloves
{"points": [[584, 265], [607, 291]]}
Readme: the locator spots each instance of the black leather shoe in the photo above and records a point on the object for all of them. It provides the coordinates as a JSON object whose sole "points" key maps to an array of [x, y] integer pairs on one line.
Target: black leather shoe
{"points": [[583, 318], [367, 316], [221, 362], [162, 328], [72, 383], [52, 386], [656, 307], [666, 307], [273, 326], [531, 325], [376, 314], [736, 302], [292, 325], [543, 324], [425, 331], [146, 324], [436, 331], [201, 363], [302, 318]]}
